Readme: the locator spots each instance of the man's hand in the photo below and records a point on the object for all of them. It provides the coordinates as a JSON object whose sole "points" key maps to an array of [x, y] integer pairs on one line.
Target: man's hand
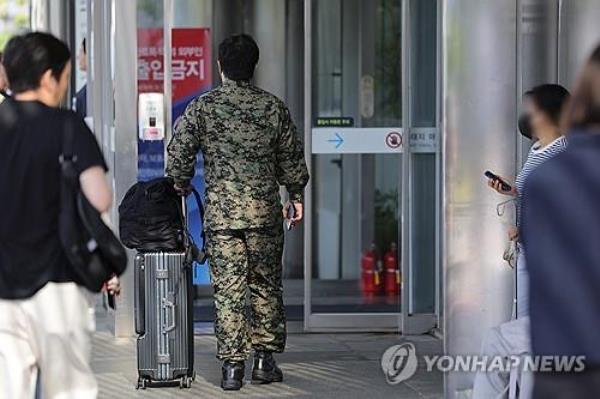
{"points": [[113, 286], [297, 219]]}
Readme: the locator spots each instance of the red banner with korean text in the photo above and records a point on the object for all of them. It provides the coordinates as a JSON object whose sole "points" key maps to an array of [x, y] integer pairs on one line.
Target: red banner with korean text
{"points": [[191, 69]]}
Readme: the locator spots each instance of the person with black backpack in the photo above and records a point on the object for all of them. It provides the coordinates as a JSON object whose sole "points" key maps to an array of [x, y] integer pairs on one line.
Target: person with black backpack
{"points": [[46, 318]]}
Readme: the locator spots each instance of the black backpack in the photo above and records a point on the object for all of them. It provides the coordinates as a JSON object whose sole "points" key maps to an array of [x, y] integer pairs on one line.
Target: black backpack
{"points": [[94, 252], [151, 217]]}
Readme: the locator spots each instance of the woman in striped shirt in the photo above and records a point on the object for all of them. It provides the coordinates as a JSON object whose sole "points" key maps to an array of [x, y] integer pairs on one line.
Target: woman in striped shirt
{"points": [[541, 122]]}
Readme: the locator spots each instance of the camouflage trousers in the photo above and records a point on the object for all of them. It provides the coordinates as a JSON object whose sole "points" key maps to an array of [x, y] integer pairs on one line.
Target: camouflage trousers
{"points": [[244, 261]]}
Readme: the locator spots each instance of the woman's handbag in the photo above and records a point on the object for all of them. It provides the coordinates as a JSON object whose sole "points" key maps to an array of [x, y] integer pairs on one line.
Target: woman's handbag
{"points": [[94, 252]]}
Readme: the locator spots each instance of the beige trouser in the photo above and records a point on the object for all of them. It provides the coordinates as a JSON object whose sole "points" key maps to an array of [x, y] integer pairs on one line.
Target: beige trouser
{"points": [[50, 332]]}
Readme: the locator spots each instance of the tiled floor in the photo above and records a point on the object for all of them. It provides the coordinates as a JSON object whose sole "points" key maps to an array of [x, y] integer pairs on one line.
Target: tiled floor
{"points": [[315, 366]]}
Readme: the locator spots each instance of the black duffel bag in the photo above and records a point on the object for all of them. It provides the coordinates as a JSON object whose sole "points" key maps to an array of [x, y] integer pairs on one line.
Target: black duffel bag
{"points": [[151, 218], [94, 252]]}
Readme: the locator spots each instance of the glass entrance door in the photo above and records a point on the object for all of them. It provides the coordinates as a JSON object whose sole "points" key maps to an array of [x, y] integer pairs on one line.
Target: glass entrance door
{"points": [[371, 247]]}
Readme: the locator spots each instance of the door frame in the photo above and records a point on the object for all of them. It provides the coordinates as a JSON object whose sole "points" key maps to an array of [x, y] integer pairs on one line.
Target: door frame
{"points": [[405, 320], [412, 321]]}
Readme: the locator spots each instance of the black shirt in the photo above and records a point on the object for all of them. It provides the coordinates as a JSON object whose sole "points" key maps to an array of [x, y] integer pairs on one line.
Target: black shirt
{"points": [[30, 144]]}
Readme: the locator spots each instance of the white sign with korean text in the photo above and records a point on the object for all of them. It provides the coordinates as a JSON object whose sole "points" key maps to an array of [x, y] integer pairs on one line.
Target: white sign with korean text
{"points": [[331, 140], [423, 140]]}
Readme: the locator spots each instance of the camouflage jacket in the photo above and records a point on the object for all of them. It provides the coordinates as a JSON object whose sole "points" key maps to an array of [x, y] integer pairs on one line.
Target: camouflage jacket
{"points": [[250, 147]]}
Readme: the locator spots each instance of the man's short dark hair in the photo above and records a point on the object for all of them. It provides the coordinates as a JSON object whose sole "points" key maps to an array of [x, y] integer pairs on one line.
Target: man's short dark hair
{"points": [[238, 56], [27, 57], [550, 99]]}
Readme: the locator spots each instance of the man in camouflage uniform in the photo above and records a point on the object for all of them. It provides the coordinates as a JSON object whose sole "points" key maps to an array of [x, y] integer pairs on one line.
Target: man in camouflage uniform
{"points": [[250, 147]]}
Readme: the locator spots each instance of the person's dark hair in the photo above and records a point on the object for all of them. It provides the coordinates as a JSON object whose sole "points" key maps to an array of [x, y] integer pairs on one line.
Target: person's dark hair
{"points": [[583, 111], [550, 99], [238, 56], [27, 57], [83, 46]]}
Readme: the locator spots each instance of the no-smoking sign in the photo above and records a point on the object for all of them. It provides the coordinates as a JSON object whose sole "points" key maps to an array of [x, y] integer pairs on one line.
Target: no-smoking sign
{"points": [[393, 140]]}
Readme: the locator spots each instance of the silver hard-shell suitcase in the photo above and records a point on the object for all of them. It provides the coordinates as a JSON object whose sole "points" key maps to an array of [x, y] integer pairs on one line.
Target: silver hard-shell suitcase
{"points": [[164, 319]]}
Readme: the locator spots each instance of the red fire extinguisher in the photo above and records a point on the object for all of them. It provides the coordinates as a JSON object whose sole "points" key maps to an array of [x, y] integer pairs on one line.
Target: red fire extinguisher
{"points": [[391, 270], [370, 271]]}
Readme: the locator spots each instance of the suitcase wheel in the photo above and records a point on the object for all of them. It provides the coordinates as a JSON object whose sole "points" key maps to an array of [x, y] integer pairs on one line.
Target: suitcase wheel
{"points": [[185, 382], [142, 383]]}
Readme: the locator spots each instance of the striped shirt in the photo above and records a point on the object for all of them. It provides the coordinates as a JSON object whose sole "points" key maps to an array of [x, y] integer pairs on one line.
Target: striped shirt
{"points": [[537, 156]]}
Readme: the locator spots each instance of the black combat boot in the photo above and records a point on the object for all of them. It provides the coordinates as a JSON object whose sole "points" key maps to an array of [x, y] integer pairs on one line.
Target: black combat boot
{"points": [[233, 375], [265, 370]]}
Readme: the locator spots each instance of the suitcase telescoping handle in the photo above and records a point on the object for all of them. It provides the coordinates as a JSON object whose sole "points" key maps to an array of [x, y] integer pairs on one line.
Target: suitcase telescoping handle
{"points": [[198, 253], [184, 211], [140, 298]]}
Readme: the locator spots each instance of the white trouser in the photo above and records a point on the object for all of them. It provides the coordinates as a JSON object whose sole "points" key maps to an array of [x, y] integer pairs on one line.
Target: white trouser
{"points": [[511, 338], [50, 332], [522, 284]]}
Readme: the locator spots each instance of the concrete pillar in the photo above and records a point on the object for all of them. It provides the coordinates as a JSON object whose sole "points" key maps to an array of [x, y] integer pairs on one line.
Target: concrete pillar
{"points": [[125, 155], [479, 127], [293, 257]]}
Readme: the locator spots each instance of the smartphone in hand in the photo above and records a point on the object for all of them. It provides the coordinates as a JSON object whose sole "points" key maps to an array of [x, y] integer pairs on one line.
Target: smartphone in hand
{"points": [[504, 185], [291, 214]]}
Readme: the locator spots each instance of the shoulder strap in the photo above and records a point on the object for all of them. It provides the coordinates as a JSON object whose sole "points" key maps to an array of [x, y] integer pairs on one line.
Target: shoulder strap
{"points": [[183, 215], [67, 158], [67, 144], [201, 210]]}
